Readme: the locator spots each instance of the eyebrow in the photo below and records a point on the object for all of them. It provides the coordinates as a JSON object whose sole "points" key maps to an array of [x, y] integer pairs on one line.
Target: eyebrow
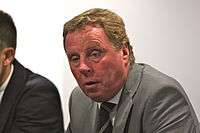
{"points": [[97, 47], [69, 53], [93, 47], [93, 44]]}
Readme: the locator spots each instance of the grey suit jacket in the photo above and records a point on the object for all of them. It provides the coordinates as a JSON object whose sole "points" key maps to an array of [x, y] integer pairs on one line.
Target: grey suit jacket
{"points": [[151, 102]]}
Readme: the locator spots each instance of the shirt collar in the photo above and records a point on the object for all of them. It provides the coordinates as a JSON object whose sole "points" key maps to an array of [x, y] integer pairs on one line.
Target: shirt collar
{"points": [[4, 85], [114, 100]]}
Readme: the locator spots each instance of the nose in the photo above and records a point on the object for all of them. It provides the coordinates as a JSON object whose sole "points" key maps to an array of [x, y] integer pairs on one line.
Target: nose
{"points": [[85, 69]]}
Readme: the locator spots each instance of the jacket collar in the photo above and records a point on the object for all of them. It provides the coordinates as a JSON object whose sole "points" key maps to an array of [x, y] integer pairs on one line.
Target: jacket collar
{"points": [[11, 93], [126, 100]]}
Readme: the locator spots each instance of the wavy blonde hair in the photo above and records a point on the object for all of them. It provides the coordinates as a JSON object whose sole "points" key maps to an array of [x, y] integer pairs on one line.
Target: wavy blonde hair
{"points": [[112, 23]]}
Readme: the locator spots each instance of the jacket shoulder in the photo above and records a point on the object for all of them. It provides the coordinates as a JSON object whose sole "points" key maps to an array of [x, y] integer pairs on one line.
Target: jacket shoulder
{"points": [[38, 81], [78, 95], [154, 80], [164, 101]]}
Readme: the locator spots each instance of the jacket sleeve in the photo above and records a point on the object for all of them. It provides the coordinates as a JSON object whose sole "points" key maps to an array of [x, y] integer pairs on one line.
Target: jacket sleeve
{"points": [[39, 109], [168, 110], [69, 130]]}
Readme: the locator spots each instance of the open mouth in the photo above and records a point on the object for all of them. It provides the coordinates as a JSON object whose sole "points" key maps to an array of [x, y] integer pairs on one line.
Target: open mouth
{"points": [[91, 87], [90, 83]]}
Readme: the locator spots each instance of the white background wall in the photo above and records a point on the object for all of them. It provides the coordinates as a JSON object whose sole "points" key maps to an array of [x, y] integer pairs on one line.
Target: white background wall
{"points": [[164, 33]]}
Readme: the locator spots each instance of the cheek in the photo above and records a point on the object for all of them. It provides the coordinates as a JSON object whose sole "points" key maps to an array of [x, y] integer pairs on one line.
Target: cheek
{"points": [[75, 72], [111, 73]]}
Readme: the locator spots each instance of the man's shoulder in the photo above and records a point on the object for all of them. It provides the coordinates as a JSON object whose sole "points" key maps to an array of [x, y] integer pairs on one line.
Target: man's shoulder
{"points": [[153, 81], [31, 79], [161, 95], [154, 84], [38, 81], [78, 94], [156, 77], [79, 99]]}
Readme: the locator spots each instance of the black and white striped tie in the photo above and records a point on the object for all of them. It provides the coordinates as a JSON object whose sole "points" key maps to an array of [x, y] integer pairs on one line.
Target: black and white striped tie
{"points": [[105, 123]]}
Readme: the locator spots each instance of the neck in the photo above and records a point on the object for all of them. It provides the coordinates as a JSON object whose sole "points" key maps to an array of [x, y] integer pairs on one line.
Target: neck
{"points": [[4, 74]]}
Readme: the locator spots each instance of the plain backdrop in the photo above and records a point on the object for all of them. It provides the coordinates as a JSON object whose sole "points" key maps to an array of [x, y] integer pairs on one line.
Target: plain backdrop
{"points": [[163, 33]]}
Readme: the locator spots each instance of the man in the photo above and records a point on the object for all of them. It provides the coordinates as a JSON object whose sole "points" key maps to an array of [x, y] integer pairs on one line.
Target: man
{"points": [[101, 60], [29, 103]]}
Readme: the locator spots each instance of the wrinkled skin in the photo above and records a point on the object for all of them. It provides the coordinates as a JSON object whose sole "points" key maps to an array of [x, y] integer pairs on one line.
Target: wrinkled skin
{"points": [[99, 68]]}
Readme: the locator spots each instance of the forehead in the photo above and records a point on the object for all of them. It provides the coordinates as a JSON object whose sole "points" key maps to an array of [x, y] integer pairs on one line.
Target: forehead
{"points": [[86, 34]]}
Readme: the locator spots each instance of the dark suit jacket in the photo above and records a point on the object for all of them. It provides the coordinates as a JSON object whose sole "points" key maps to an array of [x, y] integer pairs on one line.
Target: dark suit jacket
{"points": [[151, 102], [30, 104]]}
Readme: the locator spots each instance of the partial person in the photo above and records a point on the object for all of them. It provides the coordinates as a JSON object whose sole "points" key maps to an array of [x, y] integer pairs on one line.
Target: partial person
{"points": [[29, 103], [114, 93]]}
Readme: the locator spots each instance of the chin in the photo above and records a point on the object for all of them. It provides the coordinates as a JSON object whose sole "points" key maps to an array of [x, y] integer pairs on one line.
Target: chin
{"points": [[96, 98], [99, 98]]}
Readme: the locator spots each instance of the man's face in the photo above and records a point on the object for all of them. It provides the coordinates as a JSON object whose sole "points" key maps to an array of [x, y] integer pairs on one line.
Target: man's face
{"points": [[98, 67]]}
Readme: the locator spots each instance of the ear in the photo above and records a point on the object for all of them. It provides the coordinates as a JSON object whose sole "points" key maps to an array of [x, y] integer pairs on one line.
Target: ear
{"points": [[125, 52], [8, 55]]}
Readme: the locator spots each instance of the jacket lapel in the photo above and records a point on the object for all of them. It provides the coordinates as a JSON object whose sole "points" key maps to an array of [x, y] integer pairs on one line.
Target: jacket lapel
{"points": [[126, 99], [89, 119], [15, 85]]}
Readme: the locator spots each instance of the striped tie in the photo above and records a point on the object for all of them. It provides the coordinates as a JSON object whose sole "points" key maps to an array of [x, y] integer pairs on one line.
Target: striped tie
{"points": [[105, 123]]}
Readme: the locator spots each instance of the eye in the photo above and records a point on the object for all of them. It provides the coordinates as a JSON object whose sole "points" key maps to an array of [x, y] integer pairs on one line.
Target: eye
{"points": [[95, 53], [74, 58]]}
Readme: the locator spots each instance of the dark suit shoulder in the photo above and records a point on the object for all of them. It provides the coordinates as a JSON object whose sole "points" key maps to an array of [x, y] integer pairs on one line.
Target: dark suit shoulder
{"points": [[37, 81], [35, 102], [39, 106]]}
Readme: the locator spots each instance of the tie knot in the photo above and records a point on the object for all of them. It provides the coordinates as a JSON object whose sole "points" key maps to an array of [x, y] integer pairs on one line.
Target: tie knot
{"points": [[107, 106]]}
